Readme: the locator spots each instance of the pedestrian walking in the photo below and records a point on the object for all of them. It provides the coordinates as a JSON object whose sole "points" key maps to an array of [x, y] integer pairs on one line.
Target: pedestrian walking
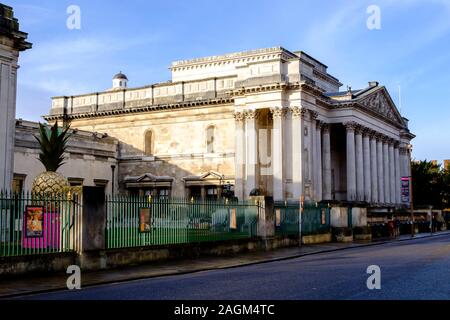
{"points": [[391, 228], [397, 227]]}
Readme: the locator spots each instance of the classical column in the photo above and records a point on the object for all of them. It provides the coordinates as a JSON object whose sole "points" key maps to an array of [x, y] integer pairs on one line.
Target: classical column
{"points": [[239, 161], [297, 114], [380, 168], [252, 152], [373, 168], [12, 41], [312, 154], [278, 115], [392, 171], [398, 199], [318, 155], [203, 192], [187, 192], [386, 170], [326, 162], [351, 161], [359, 164], [366, 166]]}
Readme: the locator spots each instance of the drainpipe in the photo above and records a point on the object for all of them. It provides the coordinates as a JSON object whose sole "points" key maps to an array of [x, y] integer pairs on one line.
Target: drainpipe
{"points": [[113, 167]]}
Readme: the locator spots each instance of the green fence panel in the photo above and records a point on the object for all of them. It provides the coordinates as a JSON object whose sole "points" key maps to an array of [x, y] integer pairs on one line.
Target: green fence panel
{"points": [[176, 221], [315, 218], [33, 224]]}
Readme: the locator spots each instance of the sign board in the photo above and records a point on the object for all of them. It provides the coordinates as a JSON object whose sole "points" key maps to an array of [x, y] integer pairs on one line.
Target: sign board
{"points": [[145, 220], [34, 221], [405, 189], [233, 224], [324, 216], [278, 217]]}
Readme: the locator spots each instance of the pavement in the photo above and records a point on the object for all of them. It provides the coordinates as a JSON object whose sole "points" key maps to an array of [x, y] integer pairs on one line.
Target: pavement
{"points": [[41, 284]]}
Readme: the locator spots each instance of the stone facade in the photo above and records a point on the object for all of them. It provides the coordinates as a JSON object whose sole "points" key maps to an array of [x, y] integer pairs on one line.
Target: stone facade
{"points": [[266, 119], [12, 41]]}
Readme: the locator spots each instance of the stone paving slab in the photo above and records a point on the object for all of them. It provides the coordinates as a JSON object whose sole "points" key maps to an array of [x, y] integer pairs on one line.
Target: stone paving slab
{"points": [[17, 286]]}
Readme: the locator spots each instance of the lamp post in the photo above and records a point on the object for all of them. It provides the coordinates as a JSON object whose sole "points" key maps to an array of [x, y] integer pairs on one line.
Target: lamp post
{"points": [[300, 217], [411, 204]]}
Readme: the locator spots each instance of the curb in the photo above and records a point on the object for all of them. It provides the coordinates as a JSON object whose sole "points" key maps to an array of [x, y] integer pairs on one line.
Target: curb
{"points": [[130, 279]]}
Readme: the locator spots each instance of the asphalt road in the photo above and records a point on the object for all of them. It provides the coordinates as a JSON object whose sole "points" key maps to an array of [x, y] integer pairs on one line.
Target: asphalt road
{"points": [[416, 269]]}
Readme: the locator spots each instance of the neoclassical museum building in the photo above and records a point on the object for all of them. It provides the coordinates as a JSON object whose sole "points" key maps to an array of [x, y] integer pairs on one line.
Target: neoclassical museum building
{"points": [[267, 120]]}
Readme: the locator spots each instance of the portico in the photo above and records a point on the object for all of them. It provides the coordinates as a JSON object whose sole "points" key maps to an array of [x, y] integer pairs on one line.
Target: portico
{"points": [[325, 155]]}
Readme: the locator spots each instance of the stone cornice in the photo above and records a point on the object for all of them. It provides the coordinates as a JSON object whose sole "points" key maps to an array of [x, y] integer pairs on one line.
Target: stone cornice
{"points": [[181, 105], [407, 135], [260, 88], [9, 28], [238, 57]]}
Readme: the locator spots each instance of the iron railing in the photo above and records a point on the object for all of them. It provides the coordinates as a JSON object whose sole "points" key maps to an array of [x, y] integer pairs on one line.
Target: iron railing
{"points": [[32, 224], [135, 221], [315, 218]]}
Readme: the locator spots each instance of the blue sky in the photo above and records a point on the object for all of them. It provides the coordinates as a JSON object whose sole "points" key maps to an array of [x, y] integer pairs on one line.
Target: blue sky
{"points": [[142, 38]]}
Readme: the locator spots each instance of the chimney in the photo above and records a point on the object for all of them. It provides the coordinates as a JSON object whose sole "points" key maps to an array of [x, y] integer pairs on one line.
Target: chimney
{"points": [[373, 84]]}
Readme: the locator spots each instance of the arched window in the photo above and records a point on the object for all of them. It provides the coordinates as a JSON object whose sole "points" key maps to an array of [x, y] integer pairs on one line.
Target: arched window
{"points": [[210, 137], [148, 144]]}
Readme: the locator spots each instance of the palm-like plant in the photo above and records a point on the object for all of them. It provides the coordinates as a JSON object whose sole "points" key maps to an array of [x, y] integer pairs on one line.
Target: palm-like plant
{"points": [[53, 144]]}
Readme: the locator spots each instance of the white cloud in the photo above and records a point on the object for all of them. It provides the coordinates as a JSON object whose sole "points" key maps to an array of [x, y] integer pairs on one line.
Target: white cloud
{"points": [[54, 66], [33, 14]]}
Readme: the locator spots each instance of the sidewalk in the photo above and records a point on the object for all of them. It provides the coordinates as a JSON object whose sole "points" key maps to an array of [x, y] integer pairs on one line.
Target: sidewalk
{"points": [[45, 283]]}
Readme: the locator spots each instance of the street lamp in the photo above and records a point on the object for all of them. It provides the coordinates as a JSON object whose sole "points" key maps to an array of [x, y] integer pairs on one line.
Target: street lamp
{"points": [[411, 204]]}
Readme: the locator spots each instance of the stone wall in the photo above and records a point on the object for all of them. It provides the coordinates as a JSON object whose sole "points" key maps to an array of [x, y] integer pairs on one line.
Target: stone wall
{"points": [[178, 139]]}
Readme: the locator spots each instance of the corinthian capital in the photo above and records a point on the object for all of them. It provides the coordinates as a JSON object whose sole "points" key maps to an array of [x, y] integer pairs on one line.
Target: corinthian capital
{"points": [[313, 114], [251, 114], [297, 112], [239, 116], [350, 125], [278, 112]]}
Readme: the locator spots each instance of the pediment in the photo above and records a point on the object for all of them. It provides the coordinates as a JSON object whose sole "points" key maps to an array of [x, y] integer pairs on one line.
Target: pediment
{"points": [[147, 177], [380, 102], [211, 175]]}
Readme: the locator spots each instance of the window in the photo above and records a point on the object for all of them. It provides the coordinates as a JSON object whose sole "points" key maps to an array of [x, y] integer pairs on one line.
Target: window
{"points": [[148, 143], [101, 183], [163, 193], [211, 193], [73, 182], [210, 137], [18, 182]]}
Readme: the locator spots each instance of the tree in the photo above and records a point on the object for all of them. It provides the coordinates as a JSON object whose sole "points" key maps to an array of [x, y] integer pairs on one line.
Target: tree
{"points": [[446, 188], [430, 184]]}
